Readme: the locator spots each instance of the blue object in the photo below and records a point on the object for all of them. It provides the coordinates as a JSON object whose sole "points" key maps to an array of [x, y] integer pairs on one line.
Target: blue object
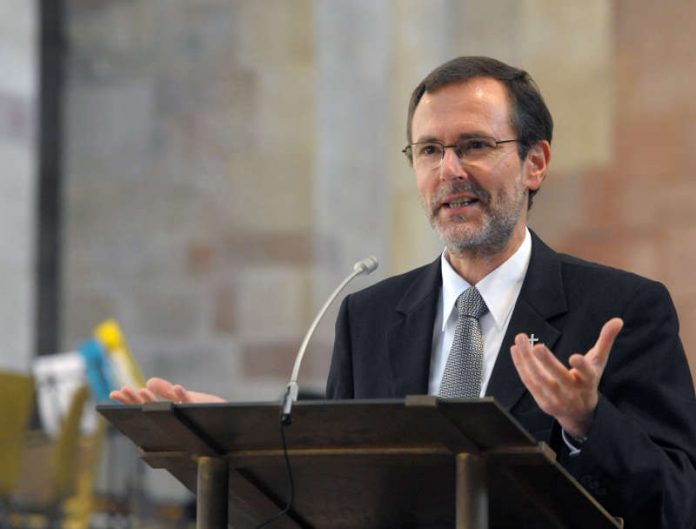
{"points": [[99, 374]]}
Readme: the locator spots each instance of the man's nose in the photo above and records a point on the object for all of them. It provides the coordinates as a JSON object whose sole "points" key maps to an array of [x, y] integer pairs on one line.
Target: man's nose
{"points": [[451, 166]]}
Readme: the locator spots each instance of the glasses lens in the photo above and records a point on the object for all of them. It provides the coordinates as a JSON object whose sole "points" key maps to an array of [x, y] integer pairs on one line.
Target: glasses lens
{"points": [[427, 154], [474, 149]]}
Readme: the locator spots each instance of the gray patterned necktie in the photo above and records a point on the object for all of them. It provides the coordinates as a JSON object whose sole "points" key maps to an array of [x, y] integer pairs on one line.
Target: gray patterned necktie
{"points": [[463, 371]]}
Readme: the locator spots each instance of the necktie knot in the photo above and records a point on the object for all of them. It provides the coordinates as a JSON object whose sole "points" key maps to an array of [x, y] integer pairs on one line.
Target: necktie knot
{"points": [[471, 304]]}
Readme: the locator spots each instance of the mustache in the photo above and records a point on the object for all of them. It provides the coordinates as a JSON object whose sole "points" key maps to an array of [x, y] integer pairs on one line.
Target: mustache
{"points": [[459, 186]]}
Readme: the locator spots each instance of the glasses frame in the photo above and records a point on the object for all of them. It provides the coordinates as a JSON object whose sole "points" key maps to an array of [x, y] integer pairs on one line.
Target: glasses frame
{"points": [[408, 150]]}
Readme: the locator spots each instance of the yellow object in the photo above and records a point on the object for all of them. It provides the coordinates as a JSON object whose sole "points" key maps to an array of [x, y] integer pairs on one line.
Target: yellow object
{"points": [[66, 453], [126, 370], [59, 475], [77, 483], [16, 398]]}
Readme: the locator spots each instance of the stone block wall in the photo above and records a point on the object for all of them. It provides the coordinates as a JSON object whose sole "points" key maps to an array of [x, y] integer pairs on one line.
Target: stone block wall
{"points": [[634, 207], [229, 160], [18, 180], [188, 185]]}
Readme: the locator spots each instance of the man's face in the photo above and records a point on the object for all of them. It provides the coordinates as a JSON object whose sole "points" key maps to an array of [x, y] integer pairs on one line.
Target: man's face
{"points": [[476, 207]]}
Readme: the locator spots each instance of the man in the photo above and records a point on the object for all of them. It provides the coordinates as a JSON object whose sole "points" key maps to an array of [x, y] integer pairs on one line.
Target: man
{"points": [[587, 358], [623, 423]]}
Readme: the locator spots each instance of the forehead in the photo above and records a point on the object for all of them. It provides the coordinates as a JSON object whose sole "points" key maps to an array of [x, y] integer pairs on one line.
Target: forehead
{"points": [[479, 105]]}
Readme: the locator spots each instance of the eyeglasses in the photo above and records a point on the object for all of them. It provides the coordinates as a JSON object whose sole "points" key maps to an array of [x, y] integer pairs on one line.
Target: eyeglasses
{"points": [[429, 154]]}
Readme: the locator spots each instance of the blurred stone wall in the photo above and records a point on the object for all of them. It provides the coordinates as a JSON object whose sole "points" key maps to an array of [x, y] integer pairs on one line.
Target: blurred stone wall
{"points": [[18, 179], [228, 161], [188, 185], [633, 208]]}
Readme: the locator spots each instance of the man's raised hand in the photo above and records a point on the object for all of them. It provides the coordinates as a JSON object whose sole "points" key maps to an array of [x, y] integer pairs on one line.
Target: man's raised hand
{"points": [[569, 394]]}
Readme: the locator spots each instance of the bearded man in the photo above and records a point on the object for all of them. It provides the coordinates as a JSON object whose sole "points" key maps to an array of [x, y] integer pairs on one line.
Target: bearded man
{"points": [[587, 358]]}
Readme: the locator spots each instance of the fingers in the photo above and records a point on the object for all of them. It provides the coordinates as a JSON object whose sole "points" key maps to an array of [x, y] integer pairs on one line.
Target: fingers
{"points": [[147, 395], [582, 369], [539, 359], [531, 370], [167, 390], [533, 366], [128, 395], [181, 394], [163, 388], [522, 357], [125, 395], [156, 389], [563, 393], [599, 354], [537, 363]]}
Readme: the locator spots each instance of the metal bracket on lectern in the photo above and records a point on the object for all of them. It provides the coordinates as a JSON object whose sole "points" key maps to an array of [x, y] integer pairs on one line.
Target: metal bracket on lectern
{"points": [[165, 418]]}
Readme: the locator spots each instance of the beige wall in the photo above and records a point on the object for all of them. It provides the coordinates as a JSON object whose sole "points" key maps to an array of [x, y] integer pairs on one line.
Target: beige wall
{"points": [[19, 104], [621, 188], [635, 207], [229, 160]]}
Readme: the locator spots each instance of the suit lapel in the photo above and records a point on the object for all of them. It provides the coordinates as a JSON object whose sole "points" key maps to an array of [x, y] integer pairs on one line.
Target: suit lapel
{"points": [[410, 337], [541, 298]]}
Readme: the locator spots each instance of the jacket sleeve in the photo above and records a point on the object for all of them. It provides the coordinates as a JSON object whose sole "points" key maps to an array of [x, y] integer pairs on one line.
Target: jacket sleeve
{"points": [[640, 457]]}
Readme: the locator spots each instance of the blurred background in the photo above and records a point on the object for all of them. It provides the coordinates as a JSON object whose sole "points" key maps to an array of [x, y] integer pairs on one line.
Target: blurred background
{"points": [[205, 172]]}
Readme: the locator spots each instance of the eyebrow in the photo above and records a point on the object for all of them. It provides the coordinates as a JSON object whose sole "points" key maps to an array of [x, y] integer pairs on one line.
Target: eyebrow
{"points": [[462, 136]]}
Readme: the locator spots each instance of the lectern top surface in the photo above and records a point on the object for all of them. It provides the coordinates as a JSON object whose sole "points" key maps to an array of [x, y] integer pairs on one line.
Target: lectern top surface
{"points": [[479, 424]]}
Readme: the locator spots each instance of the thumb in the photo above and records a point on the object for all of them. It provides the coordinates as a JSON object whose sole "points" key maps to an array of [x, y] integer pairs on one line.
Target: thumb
{"points": [[599, 354]]}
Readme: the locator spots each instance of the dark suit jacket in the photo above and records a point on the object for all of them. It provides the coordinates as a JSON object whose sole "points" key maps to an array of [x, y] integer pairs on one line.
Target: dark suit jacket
{"points": [[640, 459]]}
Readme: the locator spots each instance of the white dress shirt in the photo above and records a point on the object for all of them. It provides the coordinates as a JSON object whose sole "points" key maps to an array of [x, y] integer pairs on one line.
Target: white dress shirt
{"points": [[499, 290]]}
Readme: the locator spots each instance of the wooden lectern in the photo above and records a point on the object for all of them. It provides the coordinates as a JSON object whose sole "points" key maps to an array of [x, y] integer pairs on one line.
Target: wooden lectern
{"points": [[379, 464]]}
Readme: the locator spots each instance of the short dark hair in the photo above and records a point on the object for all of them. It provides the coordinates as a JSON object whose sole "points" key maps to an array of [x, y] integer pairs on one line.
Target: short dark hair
{"points": [[530, 118]]}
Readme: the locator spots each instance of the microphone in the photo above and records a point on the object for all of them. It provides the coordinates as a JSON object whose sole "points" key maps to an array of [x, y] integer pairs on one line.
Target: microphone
{"points": [[364, 266]]}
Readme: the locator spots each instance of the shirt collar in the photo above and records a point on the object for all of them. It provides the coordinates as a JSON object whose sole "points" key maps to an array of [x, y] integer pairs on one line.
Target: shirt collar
{"points": [[499, 289]]}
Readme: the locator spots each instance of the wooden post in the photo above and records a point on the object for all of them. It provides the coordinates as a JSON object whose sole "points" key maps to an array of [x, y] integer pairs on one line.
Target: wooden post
{"points": [[472, 492], [211, 494]]}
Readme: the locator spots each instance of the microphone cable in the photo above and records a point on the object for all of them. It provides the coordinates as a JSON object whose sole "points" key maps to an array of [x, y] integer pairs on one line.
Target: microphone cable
{"points": [[364, 266], [291, 481]]}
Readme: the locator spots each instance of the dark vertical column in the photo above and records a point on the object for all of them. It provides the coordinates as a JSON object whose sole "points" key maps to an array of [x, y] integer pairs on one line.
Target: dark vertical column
{"points": [[211, 493], [50, 147]]}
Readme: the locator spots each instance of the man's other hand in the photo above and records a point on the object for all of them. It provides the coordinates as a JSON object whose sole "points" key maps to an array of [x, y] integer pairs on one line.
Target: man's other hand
{"points": [[160, 389]]}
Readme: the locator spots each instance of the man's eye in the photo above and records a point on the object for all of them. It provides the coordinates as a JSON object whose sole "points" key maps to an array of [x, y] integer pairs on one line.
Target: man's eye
{"points": [[475, 145], [429, 149]]}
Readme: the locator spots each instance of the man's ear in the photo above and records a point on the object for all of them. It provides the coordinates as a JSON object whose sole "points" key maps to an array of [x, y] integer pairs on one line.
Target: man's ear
{"points": [[536, 163]]}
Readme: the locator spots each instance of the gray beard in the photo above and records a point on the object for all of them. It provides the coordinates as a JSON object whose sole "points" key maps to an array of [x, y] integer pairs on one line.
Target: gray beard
{"points": [[494, 235]]}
